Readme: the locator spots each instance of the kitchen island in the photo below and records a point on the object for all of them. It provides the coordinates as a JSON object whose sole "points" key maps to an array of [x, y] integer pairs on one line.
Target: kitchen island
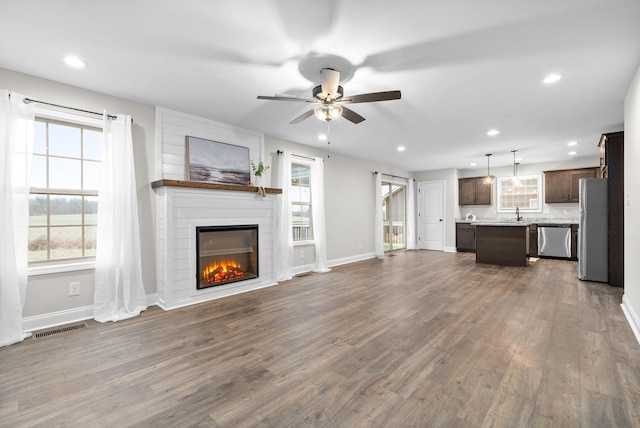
{"points": [[503, 243]]}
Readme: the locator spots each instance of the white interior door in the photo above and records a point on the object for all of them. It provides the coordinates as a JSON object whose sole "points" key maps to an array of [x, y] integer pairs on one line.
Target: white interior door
{"points": [[431, 215]]}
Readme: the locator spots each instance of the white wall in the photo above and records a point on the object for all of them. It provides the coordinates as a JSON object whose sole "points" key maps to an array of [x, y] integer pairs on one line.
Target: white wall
{"points": [[48, 294], [631, 299], [349, 197], [451, 210], [564, 211]]}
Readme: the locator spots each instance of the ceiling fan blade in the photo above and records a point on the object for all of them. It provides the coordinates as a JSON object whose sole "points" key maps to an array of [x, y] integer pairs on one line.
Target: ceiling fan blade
{"points": [[303, 116], [300, 100], [330, 81], [351, 115], [374, 96]]}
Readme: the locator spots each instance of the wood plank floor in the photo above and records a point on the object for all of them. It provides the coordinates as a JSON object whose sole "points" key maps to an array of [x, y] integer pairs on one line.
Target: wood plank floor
{"points": [[420, 339]]}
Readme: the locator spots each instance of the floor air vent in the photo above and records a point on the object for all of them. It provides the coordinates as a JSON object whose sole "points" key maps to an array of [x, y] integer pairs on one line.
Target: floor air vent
{"points": [[58, 330]]}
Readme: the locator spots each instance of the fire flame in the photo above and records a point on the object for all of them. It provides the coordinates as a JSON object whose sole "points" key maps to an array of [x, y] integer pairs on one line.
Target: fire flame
{"points": [[222, 271]]}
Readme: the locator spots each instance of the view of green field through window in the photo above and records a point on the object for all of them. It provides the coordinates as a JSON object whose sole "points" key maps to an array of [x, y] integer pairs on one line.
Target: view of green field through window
{"points": [[65, 177]]}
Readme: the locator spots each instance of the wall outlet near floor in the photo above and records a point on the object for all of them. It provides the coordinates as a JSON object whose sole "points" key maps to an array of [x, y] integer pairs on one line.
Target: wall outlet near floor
{"points": [[74, 289], [301, 255]]}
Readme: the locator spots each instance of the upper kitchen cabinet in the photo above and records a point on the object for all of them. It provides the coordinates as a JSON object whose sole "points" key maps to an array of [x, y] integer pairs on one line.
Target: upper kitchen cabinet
{"points": [[475, 191], [563, 185]]}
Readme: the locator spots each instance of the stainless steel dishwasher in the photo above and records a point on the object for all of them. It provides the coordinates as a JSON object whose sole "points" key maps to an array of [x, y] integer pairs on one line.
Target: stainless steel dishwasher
{"points": [[554, 240]]}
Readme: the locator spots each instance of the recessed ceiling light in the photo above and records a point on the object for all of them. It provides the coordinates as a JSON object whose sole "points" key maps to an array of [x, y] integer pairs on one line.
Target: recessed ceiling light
{"points": [[75, 62], [401, 148], [573, 153], [552, 78], [572, 143], [472, 164], [492, 132], [322, 137]]}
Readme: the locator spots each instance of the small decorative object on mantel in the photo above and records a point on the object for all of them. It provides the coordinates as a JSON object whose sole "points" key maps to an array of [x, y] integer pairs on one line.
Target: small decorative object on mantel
{"points": [[258, 170]]}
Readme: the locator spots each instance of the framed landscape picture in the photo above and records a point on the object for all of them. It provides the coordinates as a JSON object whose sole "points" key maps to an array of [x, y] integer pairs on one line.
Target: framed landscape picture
{"points": [[214, 162]]}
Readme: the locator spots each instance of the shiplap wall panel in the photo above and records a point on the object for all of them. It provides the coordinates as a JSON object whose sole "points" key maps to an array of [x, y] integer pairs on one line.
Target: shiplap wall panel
{"points": [[173, 127], [180, 210]]}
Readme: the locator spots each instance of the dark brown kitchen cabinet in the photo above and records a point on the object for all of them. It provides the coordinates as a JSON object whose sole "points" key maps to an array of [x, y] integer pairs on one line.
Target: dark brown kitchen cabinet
{"points": [[466, 237], [533, 240], [612, 166], [564, 185], [475, 191]]}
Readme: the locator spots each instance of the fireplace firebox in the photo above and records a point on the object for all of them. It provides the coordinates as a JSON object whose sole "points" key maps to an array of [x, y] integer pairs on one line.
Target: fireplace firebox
{"points": [[226, 254]]}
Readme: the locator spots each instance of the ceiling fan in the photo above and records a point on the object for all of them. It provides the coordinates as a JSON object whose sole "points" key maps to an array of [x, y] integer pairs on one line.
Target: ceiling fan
{"points": [[330, 97]]}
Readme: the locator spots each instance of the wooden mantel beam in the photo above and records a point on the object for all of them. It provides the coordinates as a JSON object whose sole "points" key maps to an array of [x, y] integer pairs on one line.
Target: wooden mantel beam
{"points": [[212, 186]]}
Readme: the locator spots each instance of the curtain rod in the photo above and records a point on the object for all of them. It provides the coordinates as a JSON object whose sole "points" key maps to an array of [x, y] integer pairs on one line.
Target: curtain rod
{"points": [[29, 100], [392, 176], [279, 152]]}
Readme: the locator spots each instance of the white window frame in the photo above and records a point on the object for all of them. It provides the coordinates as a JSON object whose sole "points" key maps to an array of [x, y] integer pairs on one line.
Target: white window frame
{"points": [[306, 163], [70, 265], [508, 180]]}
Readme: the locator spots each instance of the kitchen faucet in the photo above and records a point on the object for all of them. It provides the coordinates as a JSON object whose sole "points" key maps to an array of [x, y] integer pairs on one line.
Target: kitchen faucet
{"points": [[518, 218]]}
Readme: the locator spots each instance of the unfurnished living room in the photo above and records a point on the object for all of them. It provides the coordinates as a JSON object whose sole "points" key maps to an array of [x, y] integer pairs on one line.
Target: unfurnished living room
{"points": [[332, 214]]}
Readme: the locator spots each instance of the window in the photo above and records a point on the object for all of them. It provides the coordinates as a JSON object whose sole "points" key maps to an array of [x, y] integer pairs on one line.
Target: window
{"points": [[523, 192], [65, 176], [301, 202]]}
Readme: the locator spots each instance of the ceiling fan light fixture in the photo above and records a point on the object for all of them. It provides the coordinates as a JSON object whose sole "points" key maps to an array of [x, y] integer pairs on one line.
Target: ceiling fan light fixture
{"points": [[327, 112]]}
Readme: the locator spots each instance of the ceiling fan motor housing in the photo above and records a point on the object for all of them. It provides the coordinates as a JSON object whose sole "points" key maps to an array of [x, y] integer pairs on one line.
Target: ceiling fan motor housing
{"points": [[324, 97]]}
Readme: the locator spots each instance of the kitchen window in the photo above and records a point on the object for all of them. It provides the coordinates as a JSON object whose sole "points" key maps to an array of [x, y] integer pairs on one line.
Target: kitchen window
{"points": [[522, 192], [63, 201]]}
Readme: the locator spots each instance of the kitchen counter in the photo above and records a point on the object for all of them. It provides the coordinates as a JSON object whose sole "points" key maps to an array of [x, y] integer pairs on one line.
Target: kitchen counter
{"points": [[503, 223], [529, 221], [502, 243]]}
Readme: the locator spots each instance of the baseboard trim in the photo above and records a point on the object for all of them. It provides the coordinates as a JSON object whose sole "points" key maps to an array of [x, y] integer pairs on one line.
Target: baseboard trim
{"points": [[68, 316], [352, 259], [632, 317], [297, 270], [53, 319]]}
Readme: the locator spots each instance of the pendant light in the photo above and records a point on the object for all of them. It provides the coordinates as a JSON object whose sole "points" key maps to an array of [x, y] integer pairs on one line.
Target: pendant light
{"points": [[515, 179], [489, 178]]}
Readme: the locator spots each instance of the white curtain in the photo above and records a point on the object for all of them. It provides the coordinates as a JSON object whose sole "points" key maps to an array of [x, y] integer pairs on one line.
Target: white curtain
{"points": [[318, 215], [284, 239], [377, 223], [411, 216], [16, 149], [119, 291]]}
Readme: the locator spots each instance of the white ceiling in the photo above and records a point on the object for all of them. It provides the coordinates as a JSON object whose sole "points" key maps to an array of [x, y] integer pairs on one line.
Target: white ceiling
{"points": [[463, 67]]}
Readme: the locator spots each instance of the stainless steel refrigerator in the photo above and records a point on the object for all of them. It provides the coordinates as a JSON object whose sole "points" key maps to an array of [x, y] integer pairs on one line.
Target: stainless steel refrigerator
{"points": [[593, 238]]}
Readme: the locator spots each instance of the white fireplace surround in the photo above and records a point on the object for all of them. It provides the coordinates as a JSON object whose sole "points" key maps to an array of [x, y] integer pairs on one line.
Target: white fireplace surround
{"points": [[182, 209]]}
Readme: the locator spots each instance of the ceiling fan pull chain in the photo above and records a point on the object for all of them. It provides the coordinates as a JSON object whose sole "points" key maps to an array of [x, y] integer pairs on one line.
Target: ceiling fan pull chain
{"points": [[328, 139]]}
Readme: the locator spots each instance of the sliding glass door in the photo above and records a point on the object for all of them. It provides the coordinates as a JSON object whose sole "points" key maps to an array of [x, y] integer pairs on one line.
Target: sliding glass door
{"points": [[393, 216]]}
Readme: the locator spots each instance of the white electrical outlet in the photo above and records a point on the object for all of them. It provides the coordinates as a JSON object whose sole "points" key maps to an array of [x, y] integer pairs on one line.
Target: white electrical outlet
{"points": [[301, 255], [74, 289]]}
